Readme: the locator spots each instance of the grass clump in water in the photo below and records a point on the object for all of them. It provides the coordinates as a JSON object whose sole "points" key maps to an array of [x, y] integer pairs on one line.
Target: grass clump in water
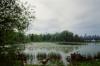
{"points": [[54, 56], [41, 56]]}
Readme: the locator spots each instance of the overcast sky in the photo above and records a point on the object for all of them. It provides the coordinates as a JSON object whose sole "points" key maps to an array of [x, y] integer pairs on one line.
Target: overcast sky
{"points": [[77, 16]]}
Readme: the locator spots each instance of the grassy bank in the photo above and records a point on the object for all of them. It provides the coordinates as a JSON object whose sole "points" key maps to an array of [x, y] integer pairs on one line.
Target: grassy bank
{"points": [[86, 63]]}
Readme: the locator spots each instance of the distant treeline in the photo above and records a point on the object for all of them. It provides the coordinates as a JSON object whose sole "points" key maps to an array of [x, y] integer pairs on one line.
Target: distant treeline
{"points": [[64, 36], [91, 37]]}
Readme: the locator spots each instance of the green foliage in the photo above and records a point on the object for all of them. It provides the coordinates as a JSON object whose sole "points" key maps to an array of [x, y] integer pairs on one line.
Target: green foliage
{"points": [[14, 18], [53, 63], [20, 38], [56, 63], [54, 56], [86, 63], [12, 15], [41, 56], [8, 57], [64, 36]]}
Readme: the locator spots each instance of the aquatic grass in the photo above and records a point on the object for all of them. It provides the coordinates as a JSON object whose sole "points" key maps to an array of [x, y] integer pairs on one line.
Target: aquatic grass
{"points": [[56, 63], [54, 59], [80, 60], [54, 56], [41, 56], [53, 63], [86, 63], [29, 56]]}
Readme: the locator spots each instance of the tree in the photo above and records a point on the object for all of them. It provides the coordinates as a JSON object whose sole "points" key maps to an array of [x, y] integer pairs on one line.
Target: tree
{"points": [[66, 36], [14, 17]]}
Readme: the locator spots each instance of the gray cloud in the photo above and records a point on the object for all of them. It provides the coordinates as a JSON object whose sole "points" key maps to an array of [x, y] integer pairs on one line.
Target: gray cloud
{"points": [[78, 16]]}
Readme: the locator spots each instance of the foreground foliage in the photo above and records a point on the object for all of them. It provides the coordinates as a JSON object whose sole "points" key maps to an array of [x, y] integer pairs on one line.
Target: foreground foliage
{"points": [[13, 20]]}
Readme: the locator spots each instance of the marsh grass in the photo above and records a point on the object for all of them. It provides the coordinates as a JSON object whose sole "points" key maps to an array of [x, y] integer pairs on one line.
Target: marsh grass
{"points": [[53, 63], [54, 56], [51, 55], [41, 56], [86, 63], [79, 60], [54, 59]]}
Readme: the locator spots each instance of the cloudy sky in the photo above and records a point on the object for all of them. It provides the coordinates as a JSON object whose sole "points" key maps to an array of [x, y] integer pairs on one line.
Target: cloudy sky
{"points": [[77, 16]]}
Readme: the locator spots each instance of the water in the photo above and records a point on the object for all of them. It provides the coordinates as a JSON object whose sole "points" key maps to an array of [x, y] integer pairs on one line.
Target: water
{"points": [[33, 49]]}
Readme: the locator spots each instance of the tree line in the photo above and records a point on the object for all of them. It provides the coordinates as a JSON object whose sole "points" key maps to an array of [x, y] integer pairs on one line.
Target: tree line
{"points": [[91, 37], [64, 36]]}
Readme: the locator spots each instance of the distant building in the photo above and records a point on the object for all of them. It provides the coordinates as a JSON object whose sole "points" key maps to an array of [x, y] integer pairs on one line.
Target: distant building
{"points": [[93, 40]]}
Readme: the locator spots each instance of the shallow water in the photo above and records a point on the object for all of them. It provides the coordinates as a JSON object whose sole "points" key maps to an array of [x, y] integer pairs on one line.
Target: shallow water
{"points": [[33, 49]]}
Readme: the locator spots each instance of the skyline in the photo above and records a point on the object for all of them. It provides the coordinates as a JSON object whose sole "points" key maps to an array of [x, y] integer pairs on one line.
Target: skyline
{"points": [[79, 16]]}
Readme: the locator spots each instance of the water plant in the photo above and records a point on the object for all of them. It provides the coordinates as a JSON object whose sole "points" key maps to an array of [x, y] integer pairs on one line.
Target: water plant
{"points": [[54, 56], [77, 59], [86, 63], [41, 56]]}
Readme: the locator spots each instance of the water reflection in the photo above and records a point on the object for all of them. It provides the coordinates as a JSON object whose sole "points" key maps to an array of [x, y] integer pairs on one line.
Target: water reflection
{"points": [[33, 49], [91, 49]]}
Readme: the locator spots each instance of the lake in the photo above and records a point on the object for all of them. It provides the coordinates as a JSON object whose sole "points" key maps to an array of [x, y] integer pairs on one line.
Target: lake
{"points": [[37, 49]]}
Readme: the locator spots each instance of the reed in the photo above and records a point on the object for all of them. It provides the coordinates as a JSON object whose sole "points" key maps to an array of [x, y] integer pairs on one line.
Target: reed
{"points": [[41, 56], [77, 59], [54, 56]]}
